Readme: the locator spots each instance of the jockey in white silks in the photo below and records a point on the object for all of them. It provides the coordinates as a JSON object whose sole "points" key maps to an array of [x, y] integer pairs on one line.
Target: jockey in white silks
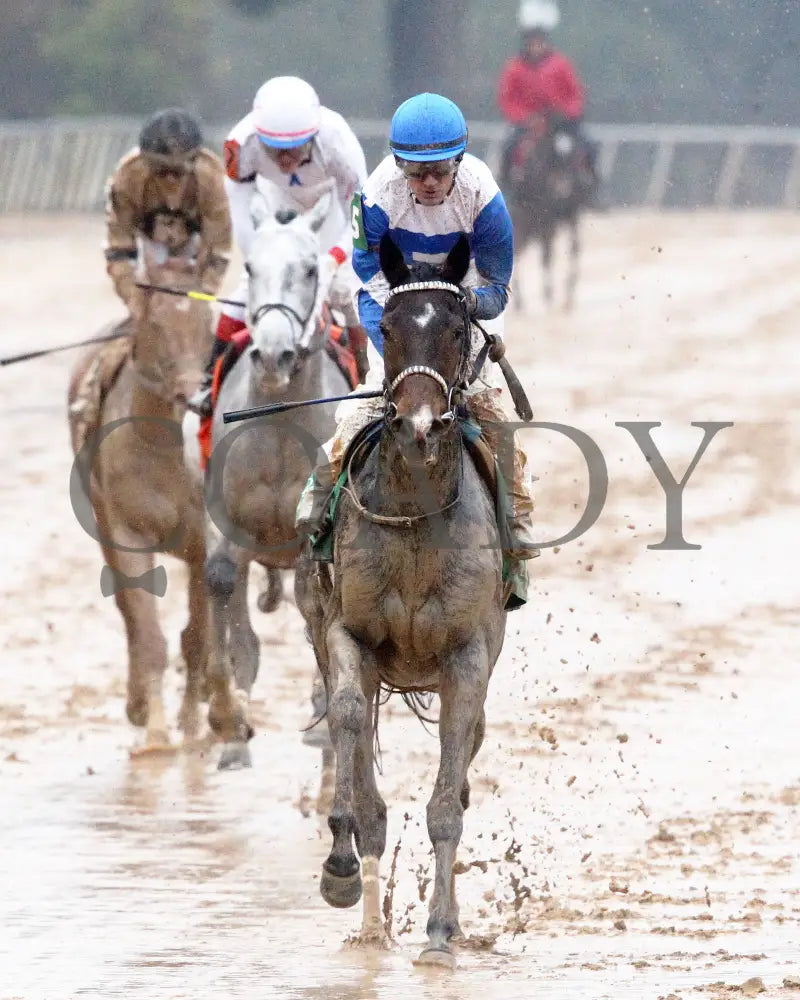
{"points": [[426, 194], [303, 150]]}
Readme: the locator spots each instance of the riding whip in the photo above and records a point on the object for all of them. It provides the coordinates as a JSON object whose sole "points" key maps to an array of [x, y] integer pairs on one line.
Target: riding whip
{"points": [[496, 349], [64, 347], [232, 416], [198, 296]]}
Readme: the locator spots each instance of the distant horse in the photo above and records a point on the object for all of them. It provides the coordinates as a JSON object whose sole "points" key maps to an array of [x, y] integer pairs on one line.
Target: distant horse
{"points": [[143, 498], [415, 602], [550, 187], [257, 470]]}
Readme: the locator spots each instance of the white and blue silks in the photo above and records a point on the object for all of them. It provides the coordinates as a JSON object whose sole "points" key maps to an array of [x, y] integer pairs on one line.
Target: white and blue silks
{"points": [[426, 233]]}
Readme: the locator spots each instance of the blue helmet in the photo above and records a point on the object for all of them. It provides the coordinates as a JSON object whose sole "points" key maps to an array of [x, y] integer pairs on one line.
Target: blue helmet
{"points": [[428, 127]]}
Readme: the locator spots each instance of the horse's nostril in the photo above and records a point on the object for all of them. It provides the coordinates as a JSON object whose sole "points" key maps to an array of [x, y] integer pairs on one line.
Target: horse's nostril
{"points": [[286, 359], [255, 355]]}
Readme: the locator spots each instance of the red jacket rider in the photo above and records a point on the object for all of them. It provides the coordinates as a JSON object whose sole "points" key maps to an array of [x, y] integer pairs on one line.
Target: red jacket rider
{"points": [[540, 82]]}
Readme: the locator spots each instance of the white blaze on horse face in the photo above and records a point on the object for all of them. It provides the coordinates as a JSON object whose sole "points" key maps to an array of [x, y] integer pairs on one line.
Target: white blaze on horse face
{"points": [[426, 316], [422, 421]]}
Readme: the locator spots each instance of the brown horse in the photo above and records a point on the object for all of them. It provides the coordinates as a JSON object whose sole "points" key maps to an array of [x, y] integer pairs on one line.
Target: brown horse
{"points": [[415, 603], [130, 465], [550, 189]]}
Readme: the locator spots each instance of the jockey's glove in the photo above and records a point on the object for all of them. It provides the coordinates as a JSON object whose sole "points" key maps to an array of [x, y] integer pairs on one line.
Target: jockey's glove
{"points": [[470, 301]]}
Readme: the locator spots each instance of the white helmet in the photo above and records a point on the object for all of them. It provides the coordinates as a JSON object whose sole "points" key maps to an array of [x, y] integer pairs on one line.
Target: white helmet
{"points": [[541, 15], [286, 112]]}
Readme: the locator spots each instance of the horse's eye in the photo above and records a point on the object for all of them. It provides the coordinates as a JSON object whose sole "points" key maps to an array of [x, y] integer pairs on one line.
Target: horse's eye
{"points": [[248, 270], [311, 270]]}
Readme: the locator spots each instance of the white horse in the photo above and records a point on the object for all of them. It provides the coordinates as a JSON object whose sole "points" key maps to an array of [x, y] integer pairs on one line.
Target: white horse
{"points": [[258, 468]]}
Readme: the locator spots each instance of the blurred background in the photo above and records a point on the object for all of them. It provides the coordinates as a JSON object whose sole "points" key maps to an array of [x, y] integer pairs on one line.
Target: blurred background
{"points": [[697, 61], [722, 71]]}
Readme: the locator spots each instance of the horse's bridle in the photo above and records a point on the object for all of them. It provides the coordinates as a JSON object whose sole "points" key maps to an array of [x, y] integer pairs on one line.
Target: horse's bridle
{"points": [[291, 314], [460, 382]]}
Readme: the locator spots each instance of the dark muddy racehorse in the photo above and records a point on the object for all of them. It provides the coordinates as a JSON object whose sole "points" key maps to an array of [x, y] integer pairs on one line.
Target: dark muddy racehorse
{"points": [[415, 601], [550, 185]]}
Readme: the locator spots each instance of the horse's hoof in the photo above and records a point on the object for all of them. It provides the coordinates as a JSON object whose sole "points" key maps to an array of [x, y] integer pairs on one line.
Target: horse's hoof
{"points": [[235, 756], [341, 891], [440, 958]]}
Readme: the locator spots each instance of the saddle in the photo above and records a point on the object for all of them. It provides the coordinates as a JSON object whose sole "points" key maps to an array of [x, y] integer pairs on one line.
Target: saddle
{"points": [[515, 578], [336, 347]]}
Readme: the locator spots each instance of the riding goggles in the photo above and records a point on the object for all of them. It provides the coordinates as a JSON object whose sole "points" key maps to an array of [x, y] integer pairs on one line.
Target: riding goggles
{"points": [[418, 171], [297, 154]]}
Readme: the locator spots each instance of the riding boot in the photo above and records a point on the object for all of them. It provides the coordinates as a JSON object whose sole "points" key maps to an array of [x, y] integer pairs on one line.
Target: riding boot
{"points": [[357, 342], [313, 518], [523, 538], [200, 401], [520, 538]]}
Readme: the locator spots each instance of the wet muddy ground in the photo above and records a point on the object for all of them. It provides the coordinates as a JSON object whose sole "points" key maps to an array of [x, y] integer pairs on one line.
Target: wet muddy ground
{"points": [[636, 805]]}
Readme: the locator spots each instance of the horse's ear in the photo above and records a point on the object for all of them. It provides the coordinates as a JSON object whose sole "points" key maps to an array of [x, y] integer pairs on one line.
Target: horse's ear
{"points": [[318, 214], [456, 265], [260, 209], [392, 263]]}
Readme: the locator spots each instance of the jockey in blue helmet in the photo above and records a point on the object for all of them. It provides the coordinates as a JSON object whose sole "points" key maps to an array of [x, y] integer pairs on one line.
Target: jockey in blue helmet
{"points": [[426, 193]]}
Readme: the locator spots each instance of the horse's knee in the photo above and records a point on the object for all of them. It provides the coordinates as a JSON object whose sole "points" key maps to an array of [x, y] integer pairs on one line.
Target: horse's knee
{"points": [[220, 576], [445, 817], [347, 709]]}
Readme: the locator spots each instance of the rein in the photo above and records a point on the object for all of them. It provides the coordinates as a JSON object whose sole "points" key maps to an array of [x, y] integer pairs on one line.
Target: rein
{"points": [[281, 307], [407, 521], [396, 520], [303, 353]]}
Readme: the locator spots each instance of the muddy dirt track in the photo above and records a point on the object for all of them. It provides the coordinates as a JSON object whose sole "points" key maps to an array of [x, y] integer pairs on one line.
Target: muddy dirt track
{"points": [[636, 805]]}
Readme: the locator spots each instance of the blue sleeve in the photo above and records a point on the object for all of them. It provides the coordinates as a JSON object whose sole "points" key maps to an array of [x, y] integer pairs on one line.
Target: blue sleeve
{"points": [[493, 249], [370, 312], [375, 223]]}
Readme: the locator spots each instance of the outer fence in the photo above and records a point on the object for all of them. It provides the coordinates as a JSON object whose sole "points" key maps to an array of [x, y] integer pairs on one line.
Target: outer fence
{"points": [[62, 164]]}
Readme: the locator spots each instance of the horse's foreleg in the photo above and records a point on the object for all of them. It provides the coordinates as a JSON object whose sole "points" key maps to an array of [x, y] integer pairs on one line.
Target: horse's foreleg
{"points": [[574, 254], [147, 646], [271, 596], [340, 884], [195, 651], [465, 679], [226, 714], [370, 816], [243, 652], [309, 602]]}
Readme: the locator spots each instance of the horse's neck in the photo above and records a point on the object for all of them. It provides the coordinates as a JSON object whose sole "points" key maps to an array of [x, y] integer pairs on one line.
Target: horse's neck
{"points": [[149, 391], [405, 491]]}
